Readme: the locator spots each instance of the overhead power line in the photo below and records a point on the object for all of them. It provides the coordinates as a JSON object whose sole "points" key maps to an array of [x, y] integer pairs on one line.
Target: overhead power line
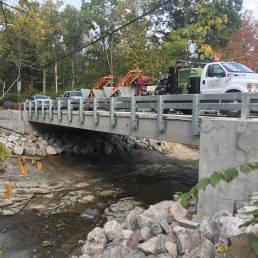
{"points": [[158, 6], [13, 7]]}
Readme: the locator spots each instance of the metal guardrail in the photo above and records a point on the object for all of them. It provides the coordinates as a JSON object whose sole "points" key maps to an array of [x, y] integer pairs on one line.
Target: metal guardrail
{"points": [[241, 104]]}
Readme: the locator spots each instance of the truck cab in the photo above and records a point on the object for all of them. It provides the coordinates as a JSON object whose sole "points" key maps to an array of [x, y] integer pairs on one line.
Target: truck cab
{"points": [[226, 77]]}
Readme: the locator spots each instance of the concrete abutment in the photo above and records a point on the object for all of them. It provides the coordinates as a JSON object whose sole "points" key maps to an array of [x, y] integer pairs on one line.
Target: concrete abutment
{"points": [[227, 143]]}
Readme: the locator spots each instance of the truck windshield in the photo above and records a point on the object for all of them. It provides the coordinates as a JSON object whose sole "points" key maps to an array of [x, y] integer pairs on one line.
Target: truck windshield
{"points": [[41, 97], [236, 68], [76, 94]]}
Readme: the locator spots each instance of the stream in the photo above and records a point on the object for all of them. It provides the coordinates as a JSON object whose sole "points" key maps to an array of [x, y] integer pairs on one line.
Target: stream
{"points": [[38, 231]]}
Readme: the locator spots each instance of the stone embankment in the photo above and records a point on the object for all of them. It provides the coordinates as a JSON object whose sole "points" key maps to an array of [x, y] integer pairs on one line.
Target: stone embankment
{"points": [[164, 230], [47, 144]]}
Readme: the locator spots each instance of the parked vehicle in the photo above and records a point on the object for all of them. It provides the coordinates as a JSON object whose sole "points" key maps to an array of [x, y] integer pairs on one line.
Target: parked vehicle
{"points": [[40, 99], [74, 97], [211, 78]]}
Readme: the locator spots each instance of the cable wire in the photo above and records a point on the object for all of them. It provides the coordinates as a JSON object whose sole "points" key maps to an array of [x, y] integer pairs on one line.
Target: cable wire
{"points": [[109, 33]]}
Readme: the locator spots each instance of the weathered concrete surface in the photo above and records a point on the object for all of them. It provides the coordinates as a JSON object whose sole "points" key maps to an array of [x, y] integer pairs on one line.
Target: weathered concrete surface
{"points": [[15, 120], [178, 128], [227, 143]]}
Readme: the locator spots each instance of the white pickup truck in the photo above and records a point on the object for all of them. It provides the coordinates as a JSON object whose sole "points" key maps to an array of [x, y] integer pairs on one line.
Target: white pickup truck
{"points": [[226, 77]]}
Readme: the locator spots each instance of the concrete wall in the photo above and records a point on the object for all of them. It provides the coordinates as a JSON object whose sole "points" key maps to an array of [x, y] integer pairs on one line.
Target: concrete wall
{"points": [[226, 143], [15, 120]]}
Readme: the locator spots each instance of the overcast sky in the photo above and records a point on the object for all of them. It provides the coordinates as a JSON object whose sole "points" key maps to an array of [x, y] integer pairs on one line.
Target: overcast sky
{"points": [[248, 4]]}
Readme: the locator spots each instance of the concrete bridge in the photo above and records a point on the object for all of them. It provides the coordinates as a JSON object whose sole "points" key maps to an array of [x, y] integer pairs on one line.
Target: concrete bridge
{"points": [[224, 141], [134, 116]]}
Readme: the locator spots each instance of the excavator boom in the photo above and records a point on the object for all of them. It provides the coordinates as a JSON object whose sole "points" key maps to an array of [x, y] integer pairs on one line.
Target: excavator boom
{"points": [[103, 82], [128, 79]]}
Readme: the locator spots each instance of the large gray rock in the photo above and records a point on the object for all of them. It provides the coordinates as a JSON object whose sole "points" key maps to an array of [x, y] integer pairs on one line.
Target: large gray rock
{"points": [[221, 225], [18, 150], [41, 152], [93, 249], [112, 229], [85, 256], [132, 221], [156, 213], [187, 239], [116, 252], [13, 138], [146, 233], [51, 150], [205, 250], [134, 240], [150, 247], [136, 254], [97, 235], [30, 151], [171, 249]]}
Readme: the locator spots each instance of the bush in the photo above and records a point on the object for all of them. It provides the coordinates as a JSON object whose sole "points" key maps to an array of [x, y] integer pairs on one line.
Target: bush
{"points": [[4, 153]]}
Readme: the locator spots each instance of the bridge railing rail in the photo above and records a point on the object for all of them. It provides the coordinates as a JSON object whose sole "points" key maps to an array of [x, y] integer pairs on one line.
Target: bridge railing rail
{"points": [[238, 105]]}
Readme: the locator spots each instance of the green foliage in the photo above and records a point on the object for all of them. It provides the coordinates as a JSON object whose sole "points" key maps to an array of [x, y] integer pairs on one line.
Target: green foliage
{"points": [[50, 31], [215, 178], [228, 175], [4, 153], [254, 243]]}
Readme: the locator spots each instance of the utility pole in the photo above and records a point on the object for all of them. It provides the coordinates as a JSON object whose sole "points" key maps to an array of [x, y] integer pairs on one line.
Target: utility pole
{"points": [[56, 77], [44, 80], [3, 88]]}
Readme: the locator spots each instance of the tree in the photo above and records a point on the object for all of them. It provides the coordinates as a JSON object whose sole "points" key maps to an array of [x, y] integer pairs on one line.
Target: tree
{"points": [[201, 25], [243, 45]]}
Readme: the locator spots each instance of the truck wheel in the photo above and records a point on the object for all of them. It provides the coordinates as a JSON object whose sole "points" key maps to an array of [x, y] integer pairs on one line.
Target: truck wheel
{"points": [[232, 113]]}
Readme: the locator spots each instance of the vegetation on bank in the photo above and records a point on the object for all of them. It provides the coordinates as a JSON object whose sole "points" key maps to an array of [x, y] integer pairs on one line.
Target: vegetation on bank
{"points": [[4, 153], [227, 176], [43, 31]]}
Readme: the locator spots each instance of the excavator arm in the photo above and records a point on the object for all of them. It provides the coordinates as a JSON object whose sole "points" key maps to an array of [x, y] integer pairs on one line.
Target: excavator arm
{"points": [[128, 79], [102, 83]]}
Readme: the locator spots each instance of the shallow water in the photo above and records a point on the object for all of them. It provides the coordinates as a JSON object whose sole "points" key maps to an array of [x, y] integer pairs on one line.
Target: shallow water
{"points": [[149, 177]]}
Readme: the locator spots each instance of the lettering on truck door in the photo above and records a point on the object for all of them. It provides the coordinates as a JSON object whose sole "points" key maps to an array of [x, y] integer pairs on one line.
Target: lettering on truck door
{"points": [[215, 81]]}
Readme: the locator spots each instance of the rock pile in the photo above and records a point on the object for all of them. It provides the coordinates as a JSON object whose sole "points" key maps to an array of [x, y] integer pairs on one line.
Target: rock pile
{"points": [[47, 144], [163, 230]]}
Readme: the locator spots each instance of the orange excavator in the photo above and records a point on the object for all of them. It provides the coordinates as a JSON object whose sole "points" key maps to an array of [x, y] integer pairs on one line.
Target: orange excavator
{"points": [[133, 78], [100, 85]]}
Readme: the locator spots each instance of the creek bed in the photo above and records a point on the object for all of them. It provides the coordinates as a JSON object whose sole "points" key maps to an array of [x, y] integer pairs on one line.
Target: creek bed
{"points": [[147, 178]]}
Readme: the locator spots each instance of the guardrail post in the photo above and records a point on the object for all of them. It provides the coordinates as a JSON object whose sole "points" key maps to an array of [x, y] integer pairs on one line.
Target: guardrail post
{"points": [[245, 109], [95, 111], [59, 114], [50, 111], [196, 115], [36, 109], [134, 120], [112, 112], [43, 109], [160, 120], [30, 109], [81, 114], [69, 114]]}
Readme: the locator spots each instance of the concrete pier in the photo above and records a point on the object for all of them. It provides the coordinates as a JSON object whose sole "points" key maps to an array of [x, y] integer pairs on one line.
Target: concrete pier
{"points": [[227, 143]]}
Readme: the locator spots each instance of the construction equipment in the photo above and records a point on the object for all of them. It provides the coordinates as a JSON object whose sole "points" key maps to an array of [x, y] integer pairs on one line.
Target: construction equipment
{"points": [[133, 83], [98, 90]]}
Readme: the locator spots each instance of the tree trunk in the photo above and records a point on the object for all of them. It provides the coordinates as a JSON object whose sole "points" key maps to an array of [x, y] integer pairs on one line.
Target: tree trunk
{"points": [[56, 77], [73, 73], [44, 80]]}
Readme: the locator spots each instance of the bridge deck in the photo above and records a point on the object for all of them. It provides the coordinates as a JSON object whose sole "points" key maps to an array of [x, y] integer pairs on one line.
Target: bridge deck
{"points": [[177, 128]]}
